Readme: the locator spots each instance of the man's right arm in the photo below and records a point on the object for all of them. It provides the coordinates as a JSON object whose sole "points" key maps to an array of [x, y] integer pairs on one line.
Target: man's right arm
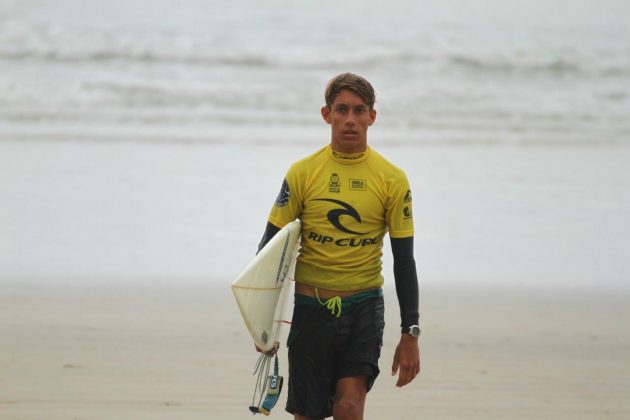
{"points": [[270, 232], [286, 208]]}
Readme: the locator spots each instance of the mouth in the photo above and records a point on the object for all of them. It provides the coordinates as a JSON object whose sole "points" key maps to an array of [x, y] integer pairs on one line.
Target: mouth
{"points": [[350, 133]]}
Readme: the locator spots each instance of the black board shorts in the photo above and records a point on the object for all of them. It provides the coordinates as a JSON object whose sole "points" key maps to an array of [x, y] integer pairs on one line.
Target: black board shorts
{"points": [[324, 348]]}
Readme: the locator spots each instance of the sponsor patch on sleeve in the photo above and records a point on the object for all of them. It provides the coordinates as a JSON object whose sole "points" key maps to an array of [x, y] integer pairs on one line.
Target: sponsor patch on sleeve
{"points": [[283, 195], [407, 208]]}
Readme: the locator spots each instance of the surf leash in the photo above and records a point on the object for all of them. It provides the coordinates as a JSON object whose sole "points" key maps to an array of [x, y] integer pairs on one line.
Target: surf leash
{"points": [[267, 386]]}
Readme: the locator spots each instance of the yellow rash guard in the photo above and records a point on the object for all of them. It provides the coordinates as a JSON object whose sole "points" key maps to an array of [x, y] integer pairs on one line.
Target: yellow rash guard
{"points": [[346, 204]]}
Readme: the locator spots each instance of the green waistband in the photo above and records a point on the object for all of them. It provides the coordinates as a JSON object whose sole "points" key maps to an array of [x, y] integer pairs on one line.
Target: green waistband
{"points": [[346, 302]]}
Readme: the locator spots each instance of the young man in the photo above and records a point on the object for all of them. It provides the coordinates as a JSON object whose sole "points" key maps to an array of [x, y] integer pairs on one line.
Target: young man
{"points": [[347, 197]]}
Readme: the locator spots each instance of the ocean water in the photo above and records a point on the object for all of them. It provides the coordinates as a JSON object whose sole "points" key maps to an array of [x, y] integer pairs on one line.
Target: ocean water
{"points": [[146, 140], [536, 71]]}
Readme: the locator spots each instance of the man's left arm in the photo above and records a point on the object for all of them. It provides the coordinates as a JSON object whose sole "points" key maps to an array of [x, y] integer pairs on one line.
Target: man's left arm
{"points": [[407, 355]]}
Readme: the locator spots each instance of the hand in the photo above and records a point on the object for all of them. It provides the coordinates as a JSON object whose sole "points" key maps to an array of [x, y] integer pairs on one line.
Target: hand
{"points": [[271, 352], [407, 358]]}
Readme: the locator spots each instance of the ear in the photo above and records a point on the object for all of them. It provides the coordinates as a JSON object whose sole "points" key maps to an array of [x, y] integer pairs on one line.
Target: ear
{"points": [[326, 114], [372, 116]]}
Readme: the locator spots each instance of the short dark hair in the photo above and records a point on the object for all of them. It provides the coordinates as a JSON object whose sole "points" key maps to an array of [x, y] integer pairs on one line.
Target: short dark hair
{"points": [[352, 82]]}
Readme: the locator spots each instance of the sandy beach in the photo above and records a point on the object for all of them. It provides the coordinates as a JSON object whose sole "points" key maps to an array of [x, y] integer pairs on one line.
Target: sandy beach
{"points": [[182, 352]]}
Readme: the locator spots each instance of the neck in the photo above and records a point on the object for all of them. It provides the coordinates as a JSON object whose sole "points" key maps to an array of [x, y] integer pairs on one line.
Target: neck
{"points": [[348, 155], [348, 158], [347, 152]]}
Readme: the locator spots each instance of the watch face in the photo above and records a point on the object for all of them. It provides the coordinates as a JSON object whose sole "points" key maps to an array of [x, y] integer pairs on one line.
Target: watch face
{"points": [[414, 330]]}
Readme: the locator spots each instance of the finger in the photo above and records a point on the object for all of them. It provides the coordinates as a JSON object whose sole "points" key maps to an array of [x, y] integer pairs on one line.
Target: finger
{"points": [[395, 364], [407, 374], [402, 379]]}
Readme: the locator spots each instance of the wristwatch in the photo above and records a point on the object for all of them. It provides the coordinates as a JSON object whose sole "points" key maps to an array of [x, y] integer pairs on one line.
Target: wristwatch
{"points": [[412, 330]]}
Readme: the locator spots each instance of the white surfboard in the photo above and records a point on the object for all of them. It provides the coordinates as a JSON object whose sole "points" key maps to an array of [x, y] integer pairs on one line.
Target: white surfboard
{"points": [[261, 289]]}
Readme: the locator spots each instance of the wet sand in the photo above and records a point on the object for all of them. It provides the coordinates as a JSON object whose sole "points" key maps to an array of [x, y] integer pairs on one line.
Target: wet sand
{"points": [[163, 352]]}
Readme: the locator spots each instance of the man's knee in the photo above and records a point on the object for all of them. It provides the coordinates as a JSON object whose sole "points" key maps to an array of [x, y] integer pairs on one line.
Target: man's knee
{"points": [[348, 405], [350, 398], [348, 408]]}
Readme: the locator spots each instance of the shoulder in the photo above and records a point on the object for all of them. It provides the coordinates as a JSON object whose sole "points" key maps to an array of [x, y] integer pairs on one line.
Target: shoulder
{"points": [[311, 161], [386, 168]]}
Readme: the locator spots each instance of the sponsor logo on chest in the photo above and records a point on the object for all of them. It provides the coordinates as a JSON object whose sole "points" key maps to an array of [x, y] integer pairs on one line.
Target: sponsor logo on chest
{"points": [[335, 183], [334, 217]]}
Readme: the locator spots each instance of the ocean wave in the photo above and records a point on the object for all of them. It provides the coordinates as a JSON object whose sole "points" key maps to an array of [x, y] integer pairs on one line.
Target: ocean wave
{"points": [[146, 57], [20, 41], [269, 61], [556, 66], [137, 94]]}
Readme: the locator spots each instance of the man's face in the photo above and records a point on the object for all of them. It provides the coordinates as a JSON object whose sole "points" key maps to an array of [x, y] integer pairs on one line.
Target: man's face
{"points": [[349, 118]]}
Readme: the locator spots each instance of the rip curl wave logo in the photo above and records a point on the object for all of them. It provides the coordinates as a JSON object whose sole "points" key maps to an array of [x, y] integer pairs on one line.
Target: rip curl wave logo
{"points": [[347, 210]]}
